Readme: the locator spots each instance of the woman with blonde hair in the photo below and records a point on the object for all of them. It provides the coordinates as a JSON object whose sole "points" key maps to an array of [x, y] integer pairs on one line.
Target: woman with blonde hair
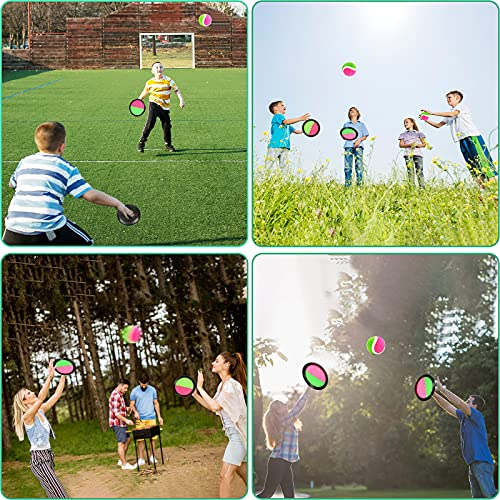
{"points": [[229, 403], [29, 415], [282, 437]]}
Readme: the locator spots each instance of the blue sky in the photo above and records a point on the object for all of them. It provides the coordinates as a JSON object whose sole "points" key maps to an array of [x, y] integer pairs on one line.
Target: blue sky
{"points": [[408, 55]]}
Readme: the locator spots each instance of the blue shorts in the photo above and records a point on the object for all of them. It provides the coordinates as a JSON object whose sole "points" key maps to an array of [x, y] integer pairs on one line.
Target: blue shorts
{"points": [[121, 433], [236, 452], [477, 157]]}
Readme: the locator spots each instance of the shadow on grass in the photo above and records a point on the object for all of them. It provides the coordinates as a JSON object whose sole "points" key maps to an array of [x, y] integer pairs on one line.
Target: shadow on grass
{"points": [[202, 151]]}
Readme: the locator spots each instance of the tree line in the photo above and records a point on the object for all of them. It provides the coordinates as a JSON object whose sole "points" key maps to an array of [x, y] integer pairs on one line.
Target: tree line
{"points": [[189, 308]]}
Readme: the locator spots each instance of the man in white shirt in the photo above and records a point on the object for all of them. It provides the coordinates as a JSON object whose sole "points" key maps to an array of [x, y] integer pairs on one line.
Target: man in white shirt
{"points": [[474, 150]]}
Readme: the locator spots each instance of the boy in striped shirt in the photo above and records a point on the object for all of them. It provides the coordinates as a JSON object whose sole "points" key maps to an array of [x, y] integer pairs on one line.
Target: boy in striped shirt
{"points": [[42, 180], [159, 89]]}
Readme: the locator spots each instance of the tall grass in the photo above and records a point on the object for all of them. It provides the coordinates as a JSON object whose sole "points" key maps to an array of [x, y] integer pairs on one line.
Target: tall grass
{"points": [[292, 208]]}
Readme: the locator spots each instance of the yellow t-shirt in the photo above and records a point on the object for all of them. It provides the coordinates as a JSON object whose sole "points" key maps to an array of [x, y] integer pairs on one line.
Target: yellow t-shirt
{"points": [[159, 91]]}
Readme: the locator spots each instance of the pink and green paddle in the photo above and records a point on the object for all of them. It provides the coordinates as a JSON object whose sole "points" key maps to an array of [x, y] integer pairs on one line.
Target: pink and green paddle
{"points": [[349, 133], [315, 376], [64, 366], [424, 387], [184, 386], [137, 107], [310, 128]]}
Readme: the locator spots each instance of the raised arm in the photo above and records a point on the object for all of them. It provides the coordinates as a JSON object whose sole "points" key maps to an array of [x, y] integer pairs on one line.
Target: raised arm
{"points": [[447, 407], [29, 416], [300, 404], [56, 396], [290, 121], [453, 398], [211, 403]]}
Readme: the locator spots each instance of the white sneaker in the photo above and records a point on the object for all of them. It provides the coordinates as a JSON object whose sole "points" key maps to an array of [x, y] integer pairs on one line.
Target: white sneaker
{"points": [[119, 463], [128, 466], [153, 460], [141, 461]]}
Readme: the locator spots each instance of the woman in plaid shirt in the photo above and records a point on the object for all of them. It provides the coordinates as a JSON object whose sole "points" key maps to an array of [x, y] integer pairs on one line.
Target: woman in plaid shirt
{"points": [[282, 437]]}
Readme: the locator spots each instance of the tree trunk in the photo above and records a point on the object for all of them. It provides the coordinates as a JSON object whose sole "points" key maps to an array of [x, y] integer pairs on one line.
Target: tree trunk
{"points": [[6, 441], [206, 354], [100, 391], [94, 397]]}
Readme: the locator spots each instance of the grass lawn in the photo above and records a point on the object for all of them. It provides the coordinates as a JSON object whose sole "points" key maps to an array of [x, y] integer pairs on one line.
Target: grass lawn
{"points": [[431, 493], [291, 209], [196, 196], [82, 445]]}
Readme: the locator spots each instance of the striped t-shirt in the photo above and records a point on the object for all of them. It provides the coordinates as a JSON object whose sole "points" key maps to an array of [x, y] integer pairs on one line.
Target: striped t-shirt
{"points": [[159, 91], [42, 181]]}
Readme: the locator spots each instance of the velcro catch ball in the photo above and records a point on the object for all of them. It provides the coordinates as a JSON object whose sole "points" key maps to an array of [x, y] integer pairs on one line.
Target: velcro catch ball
{"points": [[349, 69], [131, 334], [349, 133], [310, 128], [424, 116], [137, 107], [205, 20], [315, 376], [184, 386], [64, 366], [133, 220], [375, 345], [424, 387]]}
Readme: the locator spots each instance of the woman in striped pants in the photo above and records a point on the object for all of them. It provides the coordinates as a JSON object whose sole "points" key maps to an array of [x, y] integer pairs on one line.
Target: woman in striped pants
{"points": [[29, 416]]}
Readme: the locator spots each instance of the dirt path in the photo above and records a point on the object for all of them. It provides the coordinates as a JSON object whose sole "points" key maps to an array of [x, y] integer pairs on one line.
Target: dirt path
{"points": [[188, 472]]}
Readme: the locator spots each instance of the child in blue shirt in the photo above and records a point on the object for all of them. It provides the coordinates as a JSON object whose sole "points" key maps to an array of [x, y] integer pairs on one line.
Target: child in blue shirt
{"points": [[281, 128], [42, 180], [353, 149]]}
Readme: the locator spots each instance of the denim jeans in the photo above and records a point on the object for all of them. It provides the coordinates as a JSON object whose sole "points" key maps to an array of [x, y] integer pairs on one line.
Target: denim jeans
{"points": [[481, 480], [356, 155], [415, 164]]}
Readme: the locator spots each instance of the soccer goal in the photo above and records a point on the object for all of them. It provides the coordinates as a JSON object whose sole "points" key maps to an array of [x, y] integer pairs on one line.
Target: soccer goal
{"points": [[174, 50]]}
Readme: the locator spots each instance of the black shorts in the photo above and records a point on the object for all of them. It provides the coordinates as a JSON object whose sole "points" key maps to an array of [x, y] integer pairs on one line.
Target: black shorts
{"points": [[69, 234]]}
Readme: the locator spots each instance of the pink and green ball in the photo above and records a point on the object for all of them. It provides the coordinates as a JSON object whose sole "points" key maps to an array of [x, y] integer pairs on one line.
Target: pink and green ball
{"points": [[349, 69], [131, 334], [205, 20], [375, 345]]}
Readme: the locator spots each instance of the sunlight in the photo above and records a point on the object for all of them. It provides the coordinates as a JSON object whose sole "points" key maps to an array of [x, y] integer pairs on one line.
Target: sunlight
{"points": [[386, 18]]}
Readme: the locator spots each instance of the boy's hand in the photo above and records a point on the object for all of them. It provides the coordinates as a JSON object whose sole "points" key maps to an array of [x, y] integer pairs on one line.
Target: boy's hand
{"points": [[357, 143], [181, 104], [305, 116], [125, 211], [427, 111]]}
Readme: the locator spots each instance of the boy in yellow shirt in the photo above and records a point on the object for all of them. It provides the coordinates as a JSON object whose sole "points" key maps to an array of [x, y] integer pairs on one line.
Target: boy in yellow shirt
{"points": [[159, 89]]}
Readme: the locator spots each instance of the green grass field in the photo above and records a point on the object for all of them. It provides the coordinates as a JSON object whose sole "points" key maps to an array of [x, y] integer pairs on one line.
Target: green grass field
{"points": [[292, 209], [345, 493], [196, 196]]}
